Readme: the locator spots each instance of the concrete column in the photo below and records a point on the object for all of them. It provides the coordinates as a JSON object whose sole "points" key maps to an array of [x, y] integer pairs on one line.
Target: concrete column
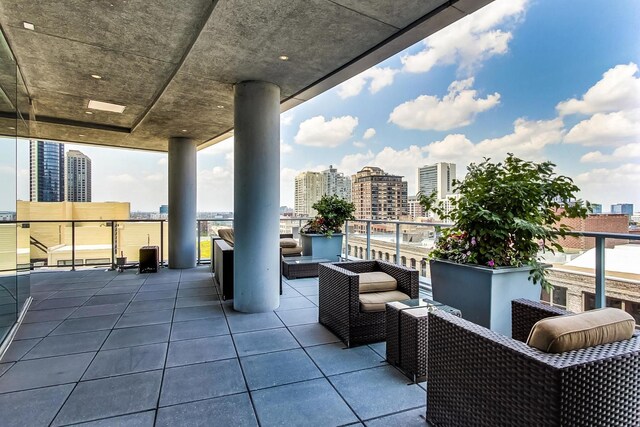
{"points": [[182, 203], [256, 197]]}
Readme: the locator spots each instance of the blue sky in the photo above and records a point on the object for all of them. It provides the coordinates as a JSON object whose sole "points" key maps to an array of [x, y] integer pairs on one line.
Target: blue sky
{"points": [[547, 80]]}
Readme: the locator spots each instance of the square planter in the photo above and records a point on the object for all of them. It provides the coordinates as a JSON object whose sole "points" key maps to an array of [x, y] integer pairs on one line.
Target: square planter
{"points": [[482, 294], [321, 246]]}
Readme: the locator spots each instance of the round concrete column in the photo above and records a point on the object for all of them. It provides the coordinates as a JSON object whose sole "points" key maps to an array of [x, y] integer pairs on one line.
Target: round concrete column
{"points": [[256, 214], [182, 203]]}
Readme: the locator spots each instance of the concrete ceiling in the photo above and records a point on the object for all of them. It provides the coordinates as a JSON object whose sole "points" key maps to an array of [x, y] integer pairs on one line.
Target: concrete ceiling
{"points": [[173, 63]]}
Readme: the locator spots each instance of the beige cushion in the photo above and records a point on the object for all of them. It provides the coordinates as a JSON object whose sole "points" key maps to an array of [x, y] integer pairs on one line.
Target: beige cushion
{"points": [[576, 331], [290, 251], [288, 243], [375, 301], [377, 281], [226, 234]]}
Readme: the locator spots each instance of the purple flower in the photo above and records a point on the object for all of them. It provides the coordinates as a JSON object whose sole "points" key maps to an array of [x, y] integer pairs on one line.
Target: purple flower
{"points": [[468, 253], [491, 263], [473, 241]]}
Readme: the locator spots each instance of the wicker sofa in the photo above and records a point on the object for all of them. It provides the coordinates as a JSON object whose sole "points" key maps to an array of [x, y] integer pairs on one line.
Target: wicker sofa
{"points": [[339, 299], [480, 378]]}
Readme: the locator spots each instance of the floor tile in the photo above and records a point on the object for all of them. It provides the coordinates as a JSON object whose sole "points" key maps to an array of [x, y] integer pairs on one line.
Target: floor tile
{"points": [[242, 322], [138, 335], [336, 359], [379, 391], [48, 315], [196, 284], [194, 313], [98, 310], [73, 293], [380, 348], [294, 303], [312, 402], [144, 318], [199, 329], [109, 397], [281, 367], [201, 381], [313, 298], [162, 287], [196, 292], [115, 290], [18, 349], [109, 299], [299, 317], [197, 301], [36, 330], [127, 360], [412, 418], [61, 303], [307, 290], [269, 340], [4, 367], [200, 350], [86, 324], [313, 334], [233, 410], [86, 285], [151, 305], [141, 419], [45, 372], [33, 407], [67, 344]]}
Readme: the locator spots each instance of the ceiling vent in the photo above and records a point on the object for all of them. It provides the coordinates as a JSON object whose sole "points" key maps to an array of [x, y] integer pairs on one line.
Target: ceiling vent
{"points": [[106, 106]]}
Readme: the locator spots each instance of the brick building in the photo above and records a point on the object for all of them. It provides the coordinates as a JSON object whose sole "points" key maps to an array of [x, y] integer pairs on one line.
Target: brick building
{"points": [[609, 223]]}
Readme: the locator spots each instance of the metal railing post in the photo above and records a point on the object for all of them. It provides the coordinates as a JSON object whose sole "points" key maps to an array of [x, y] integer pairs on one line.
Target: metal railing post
{"points": [[73, 246], [601, 299], [368, 240], [162, 243], [198, 222], [346, 240], [113, 246], [398, 243]]}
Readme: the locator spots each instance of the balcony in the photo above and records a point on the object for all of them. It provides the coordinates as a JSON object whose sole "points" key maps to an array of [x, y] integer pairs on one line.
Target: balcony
{"points": [[137, 348]]}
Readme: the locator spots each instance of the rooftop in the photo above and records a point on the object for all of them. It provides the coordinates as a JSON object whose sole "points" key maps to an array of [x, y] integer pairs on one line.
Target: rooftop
{"points": [[162, 348]]}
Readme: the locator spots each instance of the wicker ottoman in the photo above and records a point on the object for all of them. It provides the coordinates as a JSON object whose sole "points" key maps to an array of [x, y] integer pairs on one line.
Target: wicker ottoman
{"points": [[407, 334]]}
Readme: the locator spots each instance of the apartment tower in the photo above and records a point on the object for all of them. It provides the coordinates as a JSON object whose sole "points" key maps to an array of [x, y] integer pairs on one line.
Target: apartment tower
{"points": [[78, 177], [46, 177], [438, 177], [378, 195]]}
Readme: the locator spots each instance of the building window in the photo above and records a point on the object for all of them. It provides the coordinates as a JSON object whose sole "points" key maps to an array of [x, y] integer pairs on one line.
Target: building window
{"points": [[557, 297], [590, 301]]}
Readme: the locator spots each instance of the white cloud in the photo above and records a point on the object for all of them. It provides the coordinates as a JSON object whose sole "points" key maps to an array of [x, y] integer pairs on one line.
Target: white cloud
{"points": [[369, 133], [619, 89], [377, 77], [318, 132], [154, 177], [457, 108], [624, 153], [606, 129], [286, 119], [471, 40], [222, 147], [359, 144], [123, 178], [608, 186], [163, 161], [285, 148], [7, 170], [352, 163]]}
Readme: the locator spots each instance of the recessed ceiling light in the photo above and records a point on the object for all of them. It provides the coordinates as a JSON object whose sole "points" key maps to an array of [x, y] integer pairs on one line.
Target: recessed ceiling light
{"points": [[220, 106], [12, 128], [28, 25], [88, 112], [283, 57], [81, 134], [96, 76], [106, 106], [184, 130]]}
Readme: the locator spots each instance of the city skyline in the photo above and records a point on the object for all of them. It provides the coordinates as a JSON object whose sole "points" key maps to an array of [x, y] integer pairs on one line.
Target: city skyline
{"points": [[506, 79]]}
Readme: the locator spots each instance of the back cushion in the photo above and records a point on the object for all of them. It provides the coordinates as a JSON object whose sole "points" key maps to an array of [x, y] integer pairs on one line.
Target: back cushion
{"points": [[376, 281], [226, 234], [288, 243], [576, 331]]}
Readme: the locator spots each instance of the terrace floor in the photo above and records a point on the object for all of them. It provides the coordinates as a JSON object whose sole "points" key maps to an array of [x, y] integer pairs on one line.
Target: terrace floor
{"points": [[103, 348]]}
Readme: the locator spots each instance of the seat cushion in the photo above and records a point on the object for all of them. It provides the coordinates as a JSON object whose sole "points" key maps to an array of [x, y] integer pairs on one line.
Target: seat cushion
{"points": [[297, 250], [227, 235], [288, 243], [572, 332], [377, 281], [375, 301]]}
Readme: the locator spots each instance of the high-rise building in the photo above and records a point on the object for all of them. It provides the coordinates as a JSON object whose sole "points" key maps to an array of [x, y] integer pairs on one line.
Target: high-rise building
{"points": [[308, 190], [336, 183], [415, 208], [596, 208], [378, 195], [46, 178], [622, 208], [438, 177], [78, 172]]}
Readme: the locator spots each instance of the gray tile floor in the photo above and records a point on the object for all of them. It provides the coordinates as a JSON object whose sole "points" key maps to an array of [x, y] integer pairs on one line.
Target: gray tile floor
{"points": [[101, 348]]}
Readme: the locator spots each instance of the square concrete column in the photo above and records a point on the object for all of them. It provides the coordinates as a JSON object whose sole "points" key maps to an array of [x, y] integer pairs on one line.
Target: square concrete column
{"points": [[182, 202], [256, 252]]}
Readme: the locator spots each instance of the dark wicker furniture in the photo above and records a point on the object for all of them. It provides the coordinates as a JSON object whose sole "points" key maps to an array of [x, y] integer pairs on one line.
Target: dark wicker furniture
{"points": [[301, 266], [339, 303], [480, 378], [406, 335]]}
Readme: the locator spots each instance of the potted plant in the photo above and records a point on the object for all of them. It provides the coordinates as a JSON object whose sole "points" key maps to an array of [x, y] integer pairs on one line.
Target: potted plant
{"points": [[503, 216], [321, 237]]}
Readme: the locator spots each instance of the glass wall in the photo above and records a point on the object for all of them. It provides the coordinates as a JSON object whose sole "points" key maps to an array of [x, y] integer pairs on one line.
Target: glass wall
{"points": [[14, 240]]}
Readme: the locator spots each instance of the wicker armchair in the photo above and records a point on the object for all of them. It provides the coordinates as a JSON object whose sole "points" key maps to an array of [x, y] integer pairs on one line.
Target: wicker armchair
{"points": [[339, 304], [480, 378]]}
